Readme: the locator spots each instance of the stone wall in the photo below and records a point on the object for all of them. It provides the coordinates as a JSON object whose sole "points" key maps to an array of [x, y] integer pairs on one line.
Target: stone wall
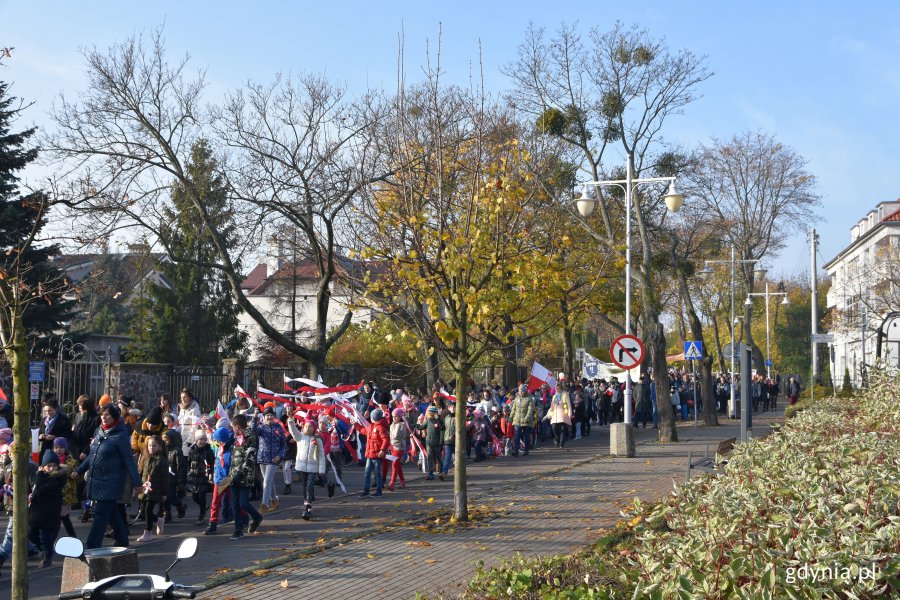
{"points": [[143, 382]]}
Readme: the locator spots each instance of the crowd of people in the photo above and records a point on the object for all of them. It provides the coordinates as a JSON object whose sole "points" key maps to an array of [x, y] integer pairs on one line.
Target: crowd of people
{"points": [[158, 459]]}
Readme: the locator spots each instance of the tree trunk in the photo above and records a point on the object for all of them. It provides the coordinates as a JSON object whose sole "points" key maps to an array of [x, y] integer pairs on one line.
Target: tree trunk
{"points": [[656, 346], [18, 360], [718, 340], [432, 368], [460, 489], [510, 366], [568, 358], [706, 389]]}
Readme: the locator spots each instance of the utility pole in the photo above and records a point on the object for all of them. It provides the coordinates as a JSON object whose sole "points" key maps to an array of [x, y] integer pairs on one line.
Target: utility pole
{"points": [[813, 244]]}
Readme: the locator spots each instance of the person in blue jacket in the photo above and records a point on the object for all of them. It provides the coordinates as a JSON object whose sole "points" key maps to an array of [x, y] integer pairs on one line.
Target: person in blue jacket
{"points": [[110, 460]]}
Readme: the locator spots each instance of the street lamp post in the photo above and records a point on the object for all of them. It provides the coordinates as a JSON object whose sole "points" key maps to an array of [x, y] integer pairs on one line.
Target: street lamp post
{"points": [[586, 206], [760, 273], [749, 302]]}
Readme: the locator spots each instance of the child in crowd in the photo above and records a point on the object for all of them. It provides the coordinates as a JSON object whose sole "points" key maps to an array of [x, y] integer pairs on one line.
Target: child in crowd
{"points": [[224, 438], [332, 435], [433, 432], [377, 443], [201, 462], [70, 495], [46, 504], [154, 468], [272, 447], [310, 460], [290, 454], [399, 447], [177, 475]]}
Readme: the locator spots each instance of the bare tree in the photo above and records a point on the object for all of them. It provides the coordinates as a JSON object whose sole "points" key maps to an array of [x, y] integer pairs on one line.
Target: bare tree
{"points": [[761, 194], [299, 155], [613, 95]]}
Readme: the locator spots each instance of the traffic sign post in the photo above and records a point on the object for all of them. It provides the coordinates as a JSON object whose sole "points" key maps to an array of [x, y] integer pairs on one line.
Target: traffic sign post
{"points": [[693, 350], [592, 369], [36, 371], [627, 352]]}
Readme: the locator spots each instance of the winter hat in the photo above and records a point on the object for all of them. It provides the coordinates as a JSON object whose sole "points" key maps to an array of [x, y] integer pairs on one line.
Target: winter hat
{"points": [[5, 434], [62, 443], [269, 411], [49, 457], [104, 400], [223, 435], [154, 417], [312, 422], [200, 435], [268, 405], [398, 412], [377, 415], [523, 388], [432, 409], [223, 423], [478, 413]]}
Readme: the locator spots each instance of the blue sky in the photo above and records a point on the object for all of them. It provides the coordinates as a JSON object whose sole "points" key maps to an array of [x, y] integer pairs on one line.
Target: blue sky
{"points": [[822, 77]]}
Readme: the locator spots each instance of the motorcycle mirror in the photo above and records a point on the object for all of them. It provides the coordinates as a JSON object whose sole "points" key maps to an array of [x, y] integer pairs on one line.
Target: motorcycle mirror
{"points": [[72, 547], [187, 549]]}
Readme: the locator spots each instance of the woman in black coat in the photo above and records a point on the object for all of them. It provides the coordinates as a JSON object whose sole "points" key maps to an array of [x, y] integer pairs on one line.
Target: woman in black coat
{"points": [[86, 423], [54, 424]]}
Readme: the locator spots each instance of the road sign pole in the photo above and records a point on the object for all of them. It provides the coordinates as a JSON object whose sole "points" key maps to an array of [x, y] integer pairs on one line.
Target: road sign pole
{"points": [[694, 379]]}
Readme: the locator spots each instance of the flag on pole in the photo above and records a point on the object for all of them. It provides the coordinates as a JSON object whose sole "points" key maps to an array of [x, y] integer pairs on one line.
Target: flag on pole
{"points": [[3, 396], [539, 376], [221, 413]]}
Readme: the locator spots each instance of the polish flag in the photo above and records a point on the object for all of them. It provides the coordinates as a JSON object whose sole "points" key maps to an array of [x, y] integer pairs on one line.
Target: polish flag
{"points": [[264, 393], [221, 413], [288, 383], [3, 396], [539, 376]]}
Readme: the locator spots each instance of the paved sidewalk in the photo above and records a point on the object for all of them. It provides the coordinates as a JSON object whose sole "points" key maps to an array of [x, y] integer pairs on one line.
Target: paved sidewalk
{"points": [[564, 508], [552, 501]]}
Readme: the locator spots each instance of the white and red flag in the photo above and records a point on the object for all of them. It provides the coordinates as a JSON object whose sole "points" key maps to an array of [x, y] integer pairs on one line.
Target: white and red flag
{"points": [[539, 376]]}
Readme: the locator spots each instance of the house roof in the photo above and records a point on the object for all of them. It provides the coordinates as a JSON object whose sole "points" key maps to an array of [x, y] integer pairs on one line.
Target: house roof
{"points": [[888, 220], [255, 278], [256, 283], [894, 216]]}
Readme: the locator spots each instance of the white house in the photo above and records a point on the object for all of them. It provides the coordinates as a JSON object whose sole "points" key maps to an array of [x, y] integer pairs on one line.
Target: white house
{"points": [[865, 290], [280, 285]]}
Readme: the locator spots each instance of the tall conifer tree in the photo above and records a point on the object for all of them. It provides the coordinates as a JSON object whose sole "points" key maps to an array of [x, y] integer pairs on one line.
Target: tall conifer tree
{"points": [[20, 215], [190, 318]]}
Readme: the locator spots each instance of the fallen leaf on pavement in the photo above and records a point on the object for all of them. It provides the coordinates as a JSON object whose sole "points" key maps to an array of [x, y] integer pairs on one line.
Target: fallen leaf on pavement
{"points": [[407, 557], [430, 561], [262, 572], [370, 555], [430, 500], [285, 583], [419, 543]]}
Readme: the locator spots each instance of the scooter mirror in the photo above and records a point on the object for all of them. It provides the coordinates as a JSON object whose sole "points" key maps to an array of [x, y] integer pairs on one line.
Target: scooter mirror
{"points": [[70, 547], [187, 549]]}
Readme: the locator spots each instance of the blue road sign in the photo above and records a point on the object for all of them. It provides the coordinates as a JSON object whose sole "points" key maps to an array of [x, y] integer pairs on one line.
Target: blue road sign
{"points": [[36, 371], [693, 350], [768, 362]]}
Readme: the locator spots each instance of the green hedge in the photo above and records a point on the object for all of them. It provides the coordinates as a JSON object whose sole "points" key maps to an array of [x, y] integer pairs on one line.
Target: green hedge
{"points": [[821, 501]]}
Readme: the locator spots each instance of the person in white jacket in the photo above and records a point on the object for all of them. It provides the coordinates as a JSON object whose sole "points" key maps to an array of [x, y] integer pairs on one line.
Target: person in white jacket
{"points": [[310, 460]]}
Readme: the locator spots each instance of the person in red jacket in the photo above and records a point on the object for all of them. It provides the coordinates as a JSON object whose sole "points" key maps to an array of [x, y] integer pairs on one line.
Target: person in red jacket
{"points": [[378, 440]]}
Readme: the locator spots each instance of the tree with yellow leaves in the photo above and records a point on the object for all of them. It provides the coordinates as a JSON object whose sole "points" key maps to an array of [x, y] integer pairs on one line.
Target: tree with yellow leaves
{"points": [[455, 235]]}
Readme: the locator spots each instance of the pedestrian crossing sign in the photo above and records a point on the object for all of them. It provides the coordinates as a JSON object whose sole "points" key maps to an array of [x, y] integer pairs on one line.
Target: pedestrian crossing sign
{"points": [[693, 350]]}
